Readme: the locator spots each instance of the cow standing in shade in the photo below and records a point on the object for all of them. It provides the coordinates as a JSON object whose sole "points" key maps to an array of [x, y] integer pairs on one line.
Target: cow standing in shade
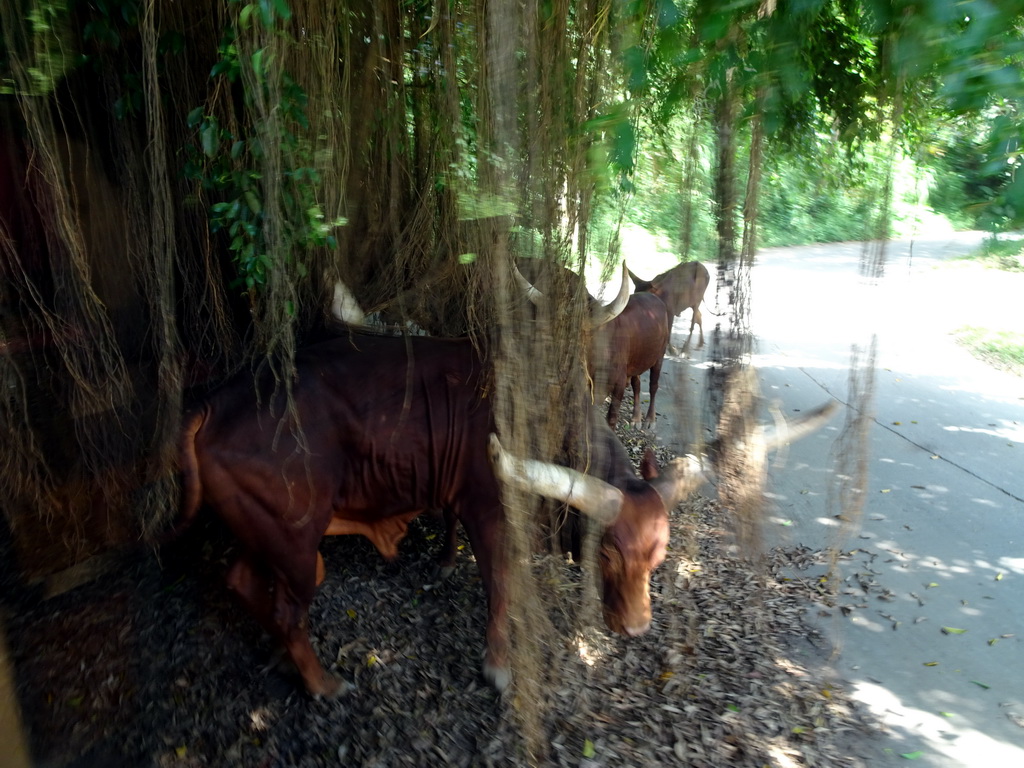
{"points": [[382, 429]]}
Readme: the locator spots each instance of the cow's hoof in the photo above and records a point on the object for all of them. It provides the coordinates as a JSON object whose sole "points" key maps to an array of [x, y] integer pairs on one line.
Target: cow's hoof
{"points": [[498, 677], [445, 572], [329, 687]]}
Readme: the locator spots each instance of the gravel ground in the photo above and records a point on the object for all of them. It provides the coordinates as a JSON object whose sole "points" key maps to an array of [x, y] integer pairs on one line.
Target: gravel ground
{"points": [[153, 664]]}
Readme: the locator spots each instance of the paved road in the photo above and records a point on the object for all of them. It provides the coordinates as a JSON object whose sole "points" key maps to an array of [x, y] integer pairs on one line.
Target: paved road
{"points": [[940, 542]]}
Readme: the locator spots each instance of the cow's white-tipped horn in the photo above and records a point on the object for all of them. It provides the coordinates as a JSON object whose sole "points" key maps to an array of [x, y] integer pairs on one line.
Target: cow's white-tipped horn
{"points": [[637, 281], [612, 309], [789, 431], [590, 495], [344, 306], [677, 479], [534, 296]]}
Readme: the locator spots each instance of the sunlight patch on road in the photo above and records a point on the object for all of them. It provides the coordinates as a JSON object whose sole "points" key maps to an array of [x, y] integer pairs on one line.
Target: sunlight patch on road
{"points": [[778, 360], [861, 620], [937, 734], [1008, 431], [1015, 564]]}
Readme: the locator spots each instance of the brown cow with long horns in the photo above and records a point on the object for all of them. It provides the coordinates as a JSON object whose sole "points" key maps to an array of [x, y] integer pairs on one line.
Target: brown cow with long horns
{"points": [[379, 429], [357, 458]]}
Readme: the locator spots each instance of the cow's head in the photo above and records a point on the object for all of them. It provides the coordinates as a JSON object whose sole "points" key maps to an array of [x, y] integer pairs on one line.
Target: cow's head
{"points": [[635, 541], [635, 521], [599, 313], [635, 516]]}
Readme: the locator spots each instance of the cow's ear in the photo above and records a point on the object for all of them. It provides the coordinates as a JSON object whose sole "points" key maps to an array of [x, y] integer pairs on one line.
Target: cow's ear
{"points": [[649, 465]]}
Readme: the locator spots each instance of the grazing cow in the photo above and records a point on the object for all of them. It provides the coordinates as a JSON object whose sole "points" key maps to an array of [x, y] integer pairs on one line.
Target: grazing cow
{"points": [[349, 457], [681, 288]]}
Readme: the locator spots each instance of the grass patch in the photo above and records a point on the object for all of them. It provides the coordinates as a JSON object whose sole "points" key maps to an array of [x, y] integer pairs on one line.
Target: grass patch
{"points": [[1001, 349], [1007, 254]]}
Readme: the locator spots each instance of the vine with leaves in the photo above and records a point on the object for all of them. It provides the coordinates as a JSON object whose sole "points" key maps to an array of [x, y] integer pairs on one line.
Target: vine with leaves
{"points": [[227, 158]]}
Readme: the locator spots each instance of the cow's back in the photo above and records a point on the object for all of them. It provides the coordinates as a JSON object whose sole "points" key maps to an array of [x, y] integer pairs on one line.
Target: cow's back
{"points": [[634, 341], [377, 426], [682, 287]]}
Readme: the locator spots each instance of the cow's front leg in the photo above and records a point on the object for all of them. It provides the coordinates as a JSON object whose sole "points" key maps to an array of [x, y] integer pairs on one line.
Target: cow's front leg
{"points": [[486, 537], [618, 390], [285, 617], [450, 546], [634, 382], [321, 571], [651, 417]]}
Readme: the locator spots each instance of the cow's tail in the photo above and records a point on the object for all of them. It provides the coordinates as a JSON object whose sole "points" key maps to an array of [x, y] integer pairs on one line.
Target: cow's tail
{"points": [[188, 467]]}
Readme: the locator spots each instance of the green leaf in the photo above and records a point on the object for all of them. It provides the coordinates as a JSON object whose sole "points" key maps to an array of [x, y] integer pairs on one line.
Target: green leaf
{"points": [[981, 685], [194, 117], [467, 258], [220, 68], [257, 65], [913, 755], [253, 202], [281, 6], [588, 749], [209, 137], [623, 147], [952, 631], [266, 14], [245, 14]]}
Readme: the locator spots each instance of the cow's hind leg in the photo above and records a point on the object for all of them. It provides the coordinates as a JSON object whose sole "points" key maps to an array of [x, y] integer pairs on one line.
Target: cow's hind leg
{"points": [[696, 320], [273, 603]]}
